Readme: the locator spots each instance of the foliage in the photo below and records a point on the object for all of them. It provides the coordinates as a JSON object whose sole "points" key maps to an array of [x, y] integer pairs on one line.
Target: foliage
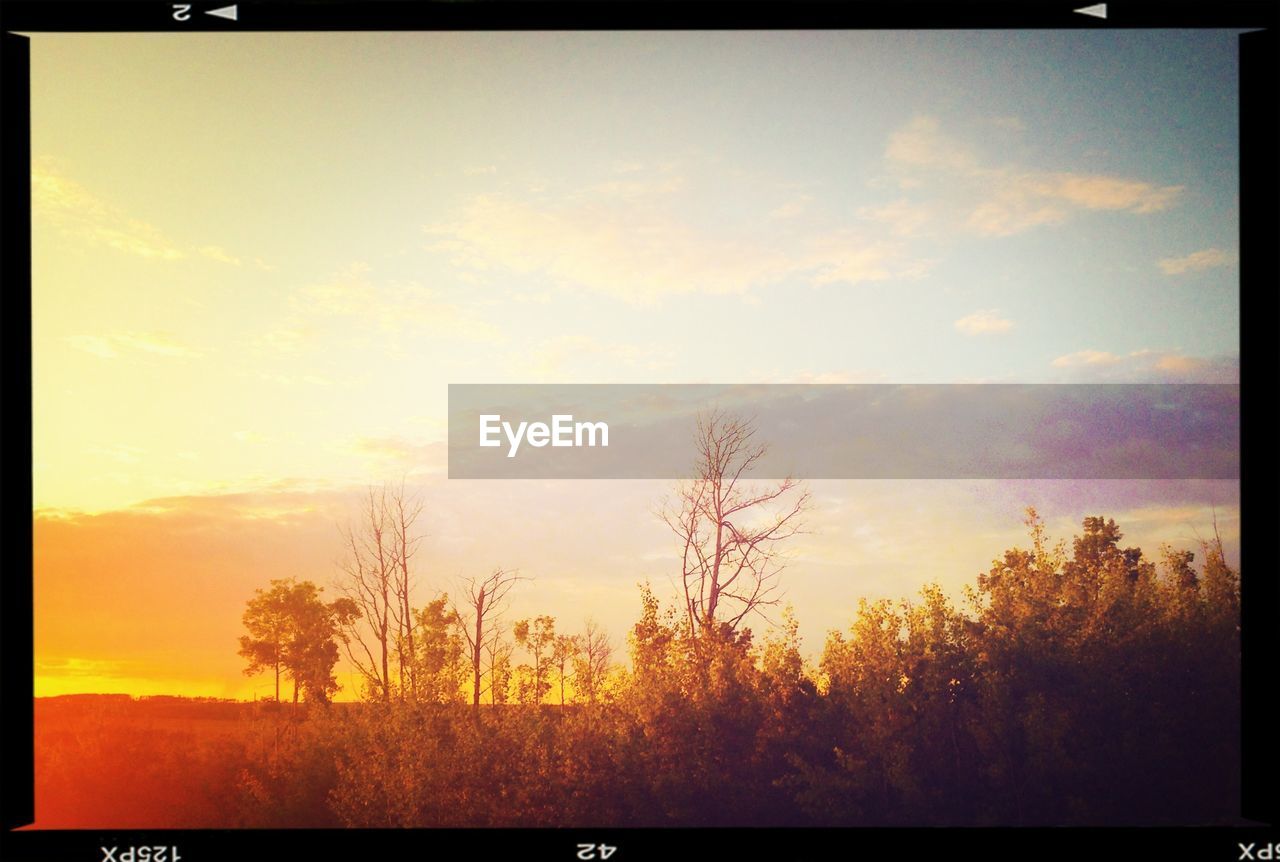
{"points": [[292, 631], [1072, 685]]}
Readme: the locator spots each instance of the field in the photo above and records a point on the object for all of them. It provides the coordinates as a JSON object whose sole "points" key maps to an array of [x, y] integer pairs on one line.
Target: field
{"points": [[111, 760]]}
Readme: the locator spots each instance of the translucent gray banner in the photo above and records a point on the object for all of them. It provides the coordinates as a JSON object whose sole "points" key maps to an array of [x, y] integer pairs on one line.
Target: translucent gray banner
{"points": [[854, 431]]}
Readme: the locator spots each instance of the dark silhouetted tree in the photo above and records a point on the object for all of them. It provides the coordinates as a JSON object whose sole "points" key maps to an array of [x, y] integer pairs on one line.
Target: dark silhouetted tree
{"points": [[478, 616], [730, 530], [292, 631]]}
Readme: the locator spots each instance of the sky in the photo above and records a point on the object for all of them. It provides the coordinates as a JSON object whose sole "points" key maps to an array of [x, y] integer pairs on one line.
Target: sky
{"points": [[260, 259]]}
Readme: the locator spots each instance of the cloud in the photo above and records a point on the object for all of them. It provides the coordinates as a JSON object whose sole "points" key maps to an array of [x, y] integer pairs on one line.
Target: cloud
{"points": [[84, 667], [605, 247], [554, 356], [634, 240], [984, 323], [214, 252], [1197, 260], [285, 339], [120, 453], [1010, 212], [118, 343], [997, 201], [825, 377], [1086, 357], [1104, 193], [1153, 366], [1019, 201], [73, 209], [921, 143], [847, 257], [387, 307], [792, 208], [292, 380], [902, 217], [401, 456]]}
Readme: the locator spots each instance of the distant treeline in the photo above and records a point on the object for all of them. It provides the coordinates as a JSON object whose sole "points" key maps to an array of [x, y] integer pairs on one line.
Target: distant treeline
{"points": [[1081, 685]]}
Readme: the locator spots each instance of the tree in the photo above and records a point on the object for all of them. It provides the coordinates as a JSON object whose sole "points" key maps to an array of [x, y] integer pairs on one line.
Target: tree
{"points": [[477, 618], [377, 577], [441, 666], [498, 652], [292, 632], [538, 637], [402, 515], [730, 532], [564, 653], [592, 662]]}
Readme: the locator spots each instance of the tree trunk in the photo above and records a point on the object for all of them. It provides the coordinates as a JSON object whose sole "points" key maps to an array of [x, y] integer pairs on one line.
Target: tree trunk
{"points": [[408, 613], [277, 682], [475, 667], [386, 670], [475, 658]]}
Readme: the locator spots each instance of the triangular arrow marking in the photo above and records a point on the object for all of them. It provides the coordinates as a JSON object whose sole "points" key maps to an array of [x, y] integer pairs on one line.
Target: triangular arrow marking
{"points": [[1098, 10], [228, 12]]}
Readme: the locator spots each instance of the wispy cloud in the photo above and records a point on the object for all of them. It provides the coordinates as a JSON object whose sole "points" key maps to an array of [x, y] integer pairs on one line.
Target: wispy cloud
{"points": [[1157, 366], [553, 357], [119, 453], [85, 667], [1002, 200], [902, 217], [605, 247], [293, 380], [70, 207], [1087, 357], [636, 236], [1197, 260], [117, 344], [630, 240], [921, 143], [851, 257], [285, 339], [214, 252], [792, 208], [354, 297], [397, 456], [987, 322], [826, 377]]}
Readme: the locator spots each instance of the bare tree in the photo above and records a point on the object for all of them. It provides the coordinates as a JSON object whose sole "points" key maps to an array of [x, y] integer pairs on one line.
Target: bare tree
{"points": [[402, 514], [592, 662], [478, 614], [367, 575], [376, 576], [730, 530]]}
